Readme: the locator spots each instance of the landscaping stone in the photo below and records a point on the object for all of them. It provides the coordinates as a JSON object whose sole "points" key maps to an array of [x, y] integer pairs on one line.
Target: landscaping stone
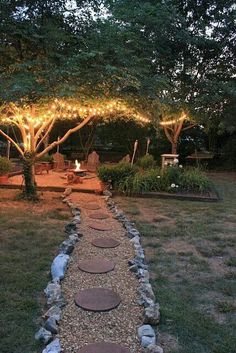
{"points": [[59, 266], [54, 312], [152, 314], [147, 341], [43, 335], [97, 299], [53, 347], [147, 335], [67, 246], [53, 293], [146, 290], [51, 325]]}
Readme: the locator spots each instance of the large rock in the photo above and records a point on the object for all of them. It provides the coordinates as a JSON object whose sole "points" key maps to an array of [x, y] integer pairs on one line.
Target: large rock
{"points": [[146, 335], [54, 312], [43, 335], [152, 314], [53, 347], [51, 325], [67, 246], [53, 293], [59, 266]]}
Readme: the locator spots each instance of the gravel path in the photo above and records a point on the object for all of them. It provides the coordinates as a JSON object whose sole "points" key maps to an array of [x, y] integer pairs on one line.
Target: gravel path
{"points": [[79, 327]]}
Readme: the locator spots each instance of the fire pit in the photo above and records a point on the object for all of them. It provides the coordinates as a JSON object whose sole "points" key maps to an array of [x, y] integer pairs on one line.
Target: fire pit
{"points": [[77, 170]]}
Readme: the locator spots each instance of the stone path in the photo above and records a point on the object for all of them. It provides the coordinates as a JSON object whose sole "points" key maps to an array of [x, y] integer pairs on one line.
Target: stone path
{"points": [[103, 329]]}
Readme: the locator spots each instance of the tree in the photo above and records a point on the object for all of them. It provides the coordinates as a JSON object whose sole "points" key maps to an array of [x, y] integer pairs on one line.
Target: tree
{"points": [[35, 123]]}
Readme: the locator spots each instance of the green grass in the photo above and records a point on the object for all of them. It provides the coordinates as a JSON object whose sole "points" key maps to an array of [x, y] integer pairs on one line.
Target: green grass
{"points": [[192, 260], [28, 243]]}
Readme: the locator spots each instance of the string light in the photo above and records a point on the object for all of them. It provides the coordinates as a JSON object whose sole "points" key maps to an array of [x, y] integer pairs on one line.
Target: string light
{"points": [[174, 121]]}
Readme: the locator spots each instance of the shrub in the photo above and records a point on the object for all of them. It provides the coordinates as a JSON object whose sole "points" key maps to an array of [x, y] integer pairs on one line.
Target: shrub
{"points": [[5, 165], [172, 176], [116, 174], [193, 180], [142, 182], [146, 162]]}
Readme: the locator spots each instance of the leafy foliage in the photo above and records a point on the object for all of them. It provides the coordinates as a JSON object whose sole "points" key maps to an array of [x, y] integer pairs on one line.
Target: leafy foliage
{"points": [[136, 180], [146, 162], [5, 166]]}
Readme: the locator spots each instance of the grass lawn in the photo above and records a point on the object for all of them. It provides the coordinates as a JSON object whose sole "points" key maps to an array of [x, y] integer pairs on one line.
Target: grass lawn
{"points": [[29, 238], [191, 250]]}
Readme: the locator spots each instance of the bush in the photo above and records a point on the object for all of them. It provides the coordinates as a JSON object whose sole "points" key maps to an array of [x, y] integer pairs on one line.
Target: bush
{"points": [[142, 182], [131, 180], [193, 180], [5, 165], [146, 162], [116, 174]]}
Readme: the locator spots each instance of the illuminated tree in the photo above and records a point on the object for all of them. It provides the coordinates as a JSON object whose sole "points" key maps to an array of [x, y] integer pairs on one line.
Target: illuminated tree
{"points": [[35, 122], [173, 128]]}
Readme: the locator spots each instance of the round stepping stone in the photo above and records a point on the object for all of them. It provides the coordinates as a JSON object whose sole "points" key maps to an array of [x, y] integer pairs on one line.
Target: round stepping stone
{"points": [[96, 265], [99, 226], [92, 206], [104, 347], [105, 243], [99, 215], [97, 299]]}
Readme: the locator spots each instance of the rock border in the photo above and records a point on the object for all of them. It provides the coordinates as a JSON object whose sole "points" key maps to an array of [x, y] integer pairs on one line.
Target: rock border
{"points": [[55, 300], [138, 265]]}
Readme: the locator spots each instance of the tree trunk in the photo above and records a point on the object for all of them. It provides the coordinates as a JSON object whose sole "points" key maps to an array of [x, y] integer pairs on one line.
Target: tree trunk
{"points": [[174, 148], [30, 187]]}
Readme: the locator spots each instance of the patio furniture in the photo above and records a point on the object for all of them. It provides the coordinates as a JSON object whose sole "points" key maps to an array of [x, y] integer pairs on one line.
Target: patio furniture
{"points": [[93, 162], [59, 163], [42, 166]]}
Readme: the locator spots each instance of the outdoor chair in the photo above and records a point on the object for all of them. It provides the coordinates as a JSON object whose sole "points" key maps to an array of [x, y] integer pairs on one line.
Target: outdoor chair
{"points": [[59, 163]]}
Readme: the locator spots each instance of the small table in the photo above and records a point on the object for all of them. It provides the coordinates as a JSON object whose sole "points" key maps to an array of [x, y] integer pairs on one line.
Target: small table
{"points": [[169, 159]]}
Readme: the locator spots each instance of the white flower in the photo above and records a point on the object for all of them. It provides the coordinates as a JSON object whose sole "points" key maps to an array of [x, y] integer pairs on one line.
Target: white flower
{"points": [[166, 163], [176, 160], [158, 176], [176, 186], [173, 185], [180, 166]]}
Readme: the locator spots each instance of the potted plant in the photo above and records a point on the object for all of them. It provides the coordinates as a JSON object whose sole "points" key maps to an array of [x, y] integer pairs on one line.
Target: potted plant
{"points": [[5, 167]]}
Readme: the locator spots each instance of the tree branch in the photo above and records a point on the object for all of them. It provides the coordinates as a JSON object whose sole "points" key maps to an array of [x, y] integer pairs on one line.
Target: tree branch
{"points": [[189, 127], [45, 135], [168, 135], [12, 141], [67, 134]]}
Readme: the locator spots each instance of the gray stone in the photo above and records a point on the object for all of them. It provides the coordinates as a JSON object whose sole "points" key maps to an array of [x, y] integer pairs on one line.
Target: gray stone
{"points": [[59, 266], [53, 347], [51, 325], [53, 293], [152, 314], [67, 246], [67, 192], [74, 238], [147, 341], [43, 335], [146, 289], [54, 312], [153, 349], [107, 193], [146, 330]]}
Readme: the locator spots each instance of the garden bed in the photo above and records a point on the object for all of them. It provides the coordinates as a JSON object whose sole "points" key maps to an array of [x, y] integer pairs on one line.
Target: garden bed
{"points": [[145, 179], [211, 196]]}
